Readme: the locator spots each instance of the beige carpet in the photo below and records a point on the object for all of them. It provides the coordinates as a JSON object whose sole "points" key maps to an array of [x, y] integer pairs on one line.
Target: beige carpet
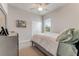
{"points": [[30, 51]]}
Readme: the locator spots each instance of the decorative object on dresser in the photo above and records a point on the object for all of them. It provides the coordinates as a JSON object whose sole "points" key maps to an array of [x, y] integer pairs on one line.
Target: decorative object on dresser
{"points": [[4, 31]]}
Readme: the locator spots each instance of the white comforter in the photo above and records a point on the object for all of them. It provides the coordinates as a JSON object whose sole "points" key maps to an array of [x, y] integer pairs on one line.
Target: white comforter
{"points": [[47, 41]]}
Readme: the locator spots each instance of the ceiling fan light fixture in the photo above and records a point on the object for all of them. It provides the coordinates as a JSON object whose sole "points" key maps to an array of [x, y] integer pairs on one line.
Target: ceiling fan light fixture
{"points": [[40, 9]]}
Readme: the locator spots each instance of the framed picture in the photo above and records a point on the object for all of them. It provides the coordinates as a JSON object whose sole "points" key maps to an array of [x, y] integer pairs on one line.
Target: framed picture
{"points": [[21, 23]]}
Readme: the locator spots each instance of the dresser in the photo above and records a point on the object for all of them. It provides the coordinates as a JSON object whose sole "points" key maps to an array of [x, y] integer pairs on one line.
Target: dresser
{"points": [[9, 45]]}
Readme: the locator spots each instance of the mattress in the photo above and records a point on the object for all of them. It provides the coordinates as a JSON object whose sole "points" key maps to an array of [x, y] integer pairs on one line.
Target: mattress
{"points": [[47, 41]]}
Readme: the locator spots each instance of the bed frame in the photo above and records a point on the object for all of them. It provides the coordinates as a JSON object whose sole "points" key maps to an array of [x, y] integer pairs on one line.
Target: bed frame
{"points": [[41, 49]]}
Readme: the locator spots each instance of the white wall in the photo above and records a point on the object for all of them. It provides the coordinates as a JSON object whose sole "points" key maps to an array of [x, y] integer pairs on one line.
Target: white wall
{"points": [[65, 17], [36, 25], [25, 34]]}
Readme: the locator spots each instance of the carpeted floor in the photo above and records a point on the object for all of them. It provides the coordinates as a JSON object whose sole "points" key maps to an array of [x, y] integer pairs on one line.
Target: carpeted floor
{"points": [[30, 51]]}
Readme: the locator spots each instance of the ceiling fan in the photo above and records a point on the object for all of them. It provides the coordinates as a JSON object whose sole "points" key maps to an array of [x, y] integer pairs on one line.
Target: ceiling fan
{"points": [[39, 6]]}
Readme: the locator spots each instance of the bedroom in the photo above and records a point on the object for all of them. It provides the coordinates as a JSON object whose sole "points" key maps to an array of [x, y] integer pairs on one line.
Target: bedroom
{"points": [[40, 21]]}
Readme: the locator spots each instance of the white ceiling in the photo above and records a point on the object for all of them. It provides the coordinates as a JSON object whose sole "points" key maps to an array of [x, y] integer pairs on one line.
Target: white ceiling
{"points": [[28, 7]]}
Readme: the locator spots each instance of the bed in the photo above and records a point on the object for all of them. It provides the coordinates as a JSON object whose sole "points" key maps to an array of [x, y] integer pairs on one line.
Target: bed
{"points": [[46, 43]]}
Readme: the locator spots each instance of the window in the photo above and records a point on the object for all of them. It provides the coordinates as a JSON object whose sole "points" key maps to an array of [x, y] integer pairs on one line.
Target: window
{"points": [[47, 25]]}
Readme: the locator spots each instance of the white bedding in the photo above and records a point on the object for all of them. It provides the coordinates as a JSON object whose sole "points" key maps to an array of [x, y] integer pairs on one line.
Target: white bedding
{"points": [[47, 41]]}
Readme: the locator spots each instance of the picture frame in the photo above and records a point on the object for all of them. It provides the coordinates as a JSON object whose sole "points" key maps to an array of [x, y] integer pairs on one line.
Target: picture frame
{"points": [[21, 23]]}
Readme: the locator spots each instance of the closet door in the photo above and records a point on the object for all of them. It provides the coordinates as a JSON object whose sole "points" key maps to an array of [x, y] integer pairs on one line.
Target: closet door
{"points": [[2, 17]]}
